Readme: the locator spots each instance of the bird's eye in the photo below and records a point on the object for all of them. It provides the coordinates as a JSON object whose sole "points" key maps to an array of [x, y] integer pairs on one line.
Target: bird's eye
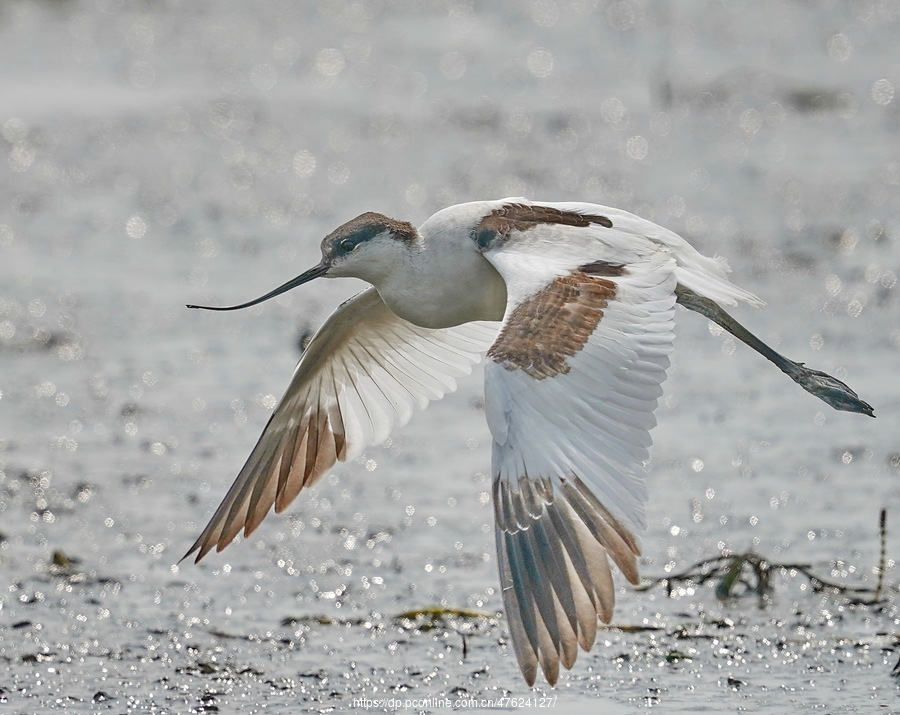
{"points": [[347, 245]]}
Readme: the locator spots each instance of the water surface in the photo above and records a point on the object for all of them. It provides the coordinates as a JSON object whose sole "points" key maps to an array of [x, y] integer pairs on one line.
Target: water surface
{"points": [[157, 154]]}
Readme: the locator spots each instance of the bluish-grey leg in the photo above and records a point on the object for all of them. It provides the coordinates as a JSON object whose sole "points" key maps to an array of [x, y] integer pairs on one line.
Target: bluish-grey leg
{"points": [[820, 384]]}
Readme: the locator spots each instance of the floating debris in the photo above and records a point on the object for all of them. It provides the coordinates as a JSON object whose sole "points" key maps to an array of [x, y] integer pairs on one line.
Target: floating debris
{"points": [[64, 561], [754, 573]]}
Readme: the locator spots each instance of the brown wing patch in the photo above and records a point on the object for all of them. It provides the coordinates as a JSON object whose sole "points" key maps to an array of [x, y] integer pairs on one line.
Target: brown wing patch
{"points": [[543, 331], [520, 217]]}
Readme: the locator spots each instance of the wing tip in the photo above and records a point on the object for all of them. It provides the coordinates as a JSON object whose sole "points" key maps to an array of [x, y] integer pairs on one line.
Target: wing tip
{"points": [[589, 537], [198, 545]]}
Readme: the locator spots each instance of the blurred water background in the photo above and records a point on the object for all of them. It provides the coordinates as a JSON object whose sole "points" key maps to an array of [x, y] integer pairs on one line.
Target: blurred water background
{"points": [[162, 152]]}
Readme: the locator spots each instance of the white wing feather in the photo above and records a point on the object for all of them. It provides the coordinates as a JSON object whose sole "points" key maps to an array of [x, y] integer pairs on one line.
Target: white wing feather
{"points": [[704, 275], [364, 372], [569, 452]]}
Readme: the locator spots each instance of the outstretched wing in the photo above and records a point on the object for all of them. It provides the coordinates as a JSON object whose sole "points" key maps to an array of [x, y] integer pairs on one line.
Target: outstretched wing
{"points": [[364, 371], [570, 388]]}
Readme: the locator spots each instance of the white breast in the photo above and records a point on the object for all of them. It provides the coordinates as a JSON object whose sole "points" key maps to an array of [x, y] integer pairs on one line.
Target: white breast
{"points": [[445, 280]]}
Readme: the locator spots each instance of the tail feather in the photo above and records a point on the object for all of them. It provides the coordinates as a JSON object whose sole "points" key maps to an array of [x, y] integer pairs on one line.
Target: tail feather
{"points": [[709, 277]]}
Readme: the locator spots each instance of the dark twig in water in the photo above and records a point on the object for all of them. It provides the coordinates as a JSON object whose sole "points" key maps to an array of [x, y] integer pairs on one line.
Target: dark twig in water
{"points": [[438, 613], [751, 571], [421, 618], [754, 573], [882, 558]]}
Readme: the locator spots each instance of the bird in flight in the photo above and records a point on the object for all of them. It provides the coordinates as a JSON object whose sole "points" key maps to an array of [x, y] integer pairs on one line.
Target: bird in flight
{"points": [[585, 297]]}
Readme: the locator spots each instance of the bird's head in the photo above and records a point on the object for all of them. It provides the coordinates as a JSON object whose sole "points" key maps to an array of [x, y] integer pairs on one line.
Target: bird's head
{"points": [[368, 247]]}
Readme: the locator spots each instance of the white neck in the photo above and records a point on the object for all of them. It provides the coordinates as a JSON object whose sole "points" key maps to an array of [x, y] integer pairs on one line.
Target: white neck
{"points": [[441, 281]]}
